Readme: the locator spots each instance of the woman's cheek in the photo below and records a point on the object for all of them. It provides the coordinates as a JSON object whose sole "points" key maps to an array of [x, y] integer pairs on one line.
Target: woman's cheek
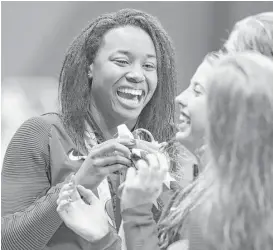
{"points": [[198, 113]]}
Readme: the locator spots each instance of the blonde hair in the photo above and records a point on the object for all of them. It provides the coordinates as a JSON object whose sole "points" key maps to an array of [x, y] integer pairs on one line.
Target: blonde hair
{"points": [[252, 33], [237, 212]]}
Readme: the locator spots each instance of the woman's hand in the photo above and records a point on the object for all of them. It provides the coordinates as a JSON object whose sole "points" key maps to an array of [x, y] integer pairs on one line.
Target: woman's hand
{"points": [[85, 216], [150, 147], [179, 245], [144, 185], [104, 159]]}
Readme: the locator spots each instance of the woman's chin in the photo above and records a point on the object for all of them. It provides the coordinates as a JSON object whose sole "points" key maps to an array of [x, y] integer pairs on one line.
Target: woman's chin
{"points": [[183, 135], [185, 138]]}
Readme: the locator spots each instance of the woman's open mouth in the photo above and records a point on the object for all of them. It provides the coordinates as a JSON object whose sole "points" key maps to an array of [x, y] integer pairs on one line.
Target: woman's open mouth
{"points": [[184, 122], [130, 97]]}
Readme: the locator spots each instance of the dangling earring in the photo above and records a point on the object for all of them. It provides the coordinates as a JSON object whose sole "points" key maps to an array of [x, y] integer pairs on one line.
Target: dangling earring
{"points": [[90, 77]]}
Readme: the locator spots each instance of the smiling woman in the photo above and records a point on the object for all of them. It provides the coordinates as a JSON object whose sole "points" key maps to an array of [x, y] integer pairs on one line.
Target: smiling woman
{"points": [[128, 49], [117, 71], [124, 75], [192, 104]]}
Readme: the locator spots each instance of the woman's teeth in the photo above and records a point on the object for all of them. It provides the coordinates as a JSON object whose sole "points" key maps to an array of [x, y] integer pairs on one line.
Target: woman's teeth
{"points": [[184, 123], [130, 94], [184, 119], [131, 91]]}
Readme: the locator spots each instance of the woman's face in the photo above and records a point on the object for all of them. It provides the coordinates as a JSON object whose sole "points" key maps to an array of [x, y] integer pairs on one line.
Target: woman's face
{"points": [[124, 74], [192, 104]]}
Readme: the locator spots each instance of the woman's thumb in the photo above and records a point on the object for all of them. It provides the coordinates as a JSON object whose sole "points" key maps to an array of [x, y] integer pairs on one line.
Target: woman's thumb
{"points": [[86, 194]]}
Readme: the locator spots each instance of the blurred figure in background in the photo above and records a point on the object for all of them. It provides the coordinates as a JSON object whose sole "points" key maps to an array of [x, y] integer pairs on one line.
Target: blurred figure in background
{"points": [[253, 33], [23, 98]]}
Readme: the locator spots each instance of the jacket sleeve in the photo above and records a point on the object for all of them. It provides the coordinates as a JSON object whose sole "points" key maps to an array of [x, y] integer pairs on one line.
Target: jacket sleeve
{"points": [[29, 217], [196, 238], [111, 241], [140, 229]]}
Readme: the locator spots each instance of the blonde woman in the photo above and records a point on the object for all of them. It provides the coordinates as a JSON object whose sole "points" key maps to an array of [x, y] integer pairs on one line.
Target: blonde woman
{"points": [[237, 208]]}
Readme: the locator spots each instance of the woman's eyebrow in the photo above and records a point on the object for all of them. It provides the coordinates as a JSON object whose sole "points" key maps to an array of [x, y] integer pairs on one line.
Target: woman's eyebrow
{"points": [[125, 52], [128, 53], [151, 56]]}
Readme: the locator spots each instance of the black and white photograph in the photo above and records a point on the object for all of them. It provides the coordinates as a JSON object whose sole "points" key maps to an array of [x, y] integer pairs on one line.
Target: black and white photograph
{"points": [[137, 125]]}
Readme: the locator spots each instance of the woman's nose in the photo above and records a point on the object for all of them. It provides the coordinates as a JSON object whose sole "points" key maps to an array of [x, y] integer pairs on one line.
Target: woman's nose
{"points": [[135, 75], [182, 98]]}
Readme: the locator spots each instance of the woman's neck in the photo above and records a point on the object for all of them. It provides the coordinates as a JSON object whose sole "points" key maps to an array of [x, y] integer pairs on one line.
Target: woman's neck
{"points": [[202, 155], [108, 127]]}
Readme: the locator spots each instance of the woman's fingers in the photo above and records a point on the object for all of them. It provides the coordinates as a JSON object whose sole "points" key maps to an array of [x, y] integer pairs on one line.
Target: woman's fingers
{"points": [[153, 162], [152, 171], [65, 191], [126, 141], [158, 162], [109, 164], [148, 171], [158, 165], [130, 175], [147, 146], [87, 194], [63, 206], [143, 172], [110, 147], [75, 195], [111, 169], [140, 164], [67, 187], [111, 160], [164, 163], [68, 191], [65, 195]]}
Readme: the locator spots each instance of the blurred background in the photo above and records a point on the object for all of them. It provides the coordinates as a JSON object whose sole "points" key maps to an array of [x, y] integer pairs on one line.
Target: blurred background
{"points": [[35, 36]]}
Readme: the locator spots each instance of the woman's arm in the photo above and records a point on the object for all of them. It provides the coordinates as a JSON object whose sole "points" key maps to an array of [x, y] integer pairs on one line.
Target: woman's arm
{"points": [[29, 217], [141, 189], [140, 229]]}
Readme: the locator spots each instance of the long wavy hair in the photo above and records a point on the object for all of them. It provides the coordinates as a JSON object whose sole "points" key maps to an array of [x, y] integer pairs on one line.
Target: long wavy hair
{"points": [[237, 213], [252, 33], [174, 217], [75, 87]]}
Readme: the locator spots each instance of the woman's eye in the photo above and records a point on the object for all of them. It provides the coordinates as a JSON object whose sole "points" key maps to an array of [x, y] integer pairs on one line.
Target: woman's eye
{"points": [[197, 90], [122, 61], [149, 66]]}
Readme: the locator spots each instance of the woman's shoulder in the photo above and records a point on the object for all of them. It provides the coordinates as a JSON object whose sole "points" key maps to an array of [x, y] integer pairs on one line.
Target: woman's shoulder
{"points": [[51, 119], [31, 139], [44, 122], [39, 127]]}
